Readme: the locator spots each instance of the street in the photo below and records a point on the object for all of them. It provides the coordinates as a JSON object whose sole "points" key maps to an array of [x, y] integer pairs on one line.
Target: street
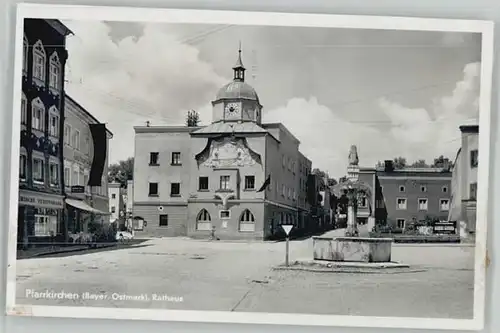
{"points": [[178, 273]]}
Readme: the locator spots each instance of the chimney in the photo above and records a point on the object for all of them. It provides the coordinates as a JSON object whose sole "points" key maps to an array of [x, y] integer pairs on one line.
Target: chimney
{"points": [[388, 166]]}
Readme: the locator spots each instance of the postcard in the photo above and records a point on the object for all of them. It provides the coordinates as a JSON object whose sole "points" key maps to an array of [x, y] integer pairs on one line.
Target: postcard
{"points": [[244, 167]]}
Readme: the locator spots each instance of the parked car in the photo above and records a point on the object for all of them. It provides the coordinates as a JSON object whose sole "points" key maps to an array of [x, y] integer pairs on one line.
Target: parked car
{"points": [[123, 236]]}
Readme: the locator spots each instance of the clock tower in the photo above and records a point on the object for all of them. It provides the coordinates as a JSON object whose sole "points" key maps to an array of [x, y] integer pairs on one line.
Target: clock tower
{"points": [[237, 101]]}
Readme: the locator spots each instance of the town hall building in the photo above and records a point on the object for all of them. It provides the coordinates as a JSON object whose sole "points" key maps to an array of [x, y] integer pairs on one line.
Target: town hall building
{"points": [[237, 178]]}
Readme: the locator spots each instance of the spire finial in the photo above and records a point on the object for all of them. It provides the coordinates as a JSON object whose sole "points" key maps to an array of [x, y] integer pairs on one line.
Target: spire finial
{"points": [[239, 69]]}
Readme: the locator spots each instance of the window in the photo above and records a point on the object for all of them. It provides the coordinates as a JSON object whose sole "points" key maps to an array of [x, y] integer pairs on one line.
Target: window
{"points": [[87, 145], [249, 182], [39, 60], [38, 114], [67, 175], [113, 209], [402, 188], [67, 134], [362, 201], [25, 54], [55, 71], [76, 139], [175, 189], [474, 158], [400, 223], [283, 190], [422, 204], [294, 195], [24, 110], [284, 160], [225, 214], [445, 189], [53, 122], [113, 196], [473, 191], [153, 189], [289, 193], [247, 221], [444, 204], [203, 184], [224, 182], [22, 166], [153, 158], [38, 170], [423, 188], [45, 225], [164, 220], [75, 180], [176, 158], [54, 174], [401, 203], [204, 220]]}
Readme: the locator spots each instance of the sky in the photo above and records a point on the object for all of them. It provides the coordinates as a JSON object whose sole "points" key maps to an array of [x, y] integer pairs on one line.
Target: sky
{"points": [[391, 93]]}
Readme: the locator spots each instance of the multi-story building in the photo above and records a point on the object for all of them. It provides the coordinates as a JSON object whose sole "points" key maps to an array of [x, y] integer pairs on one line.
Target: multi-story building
{"points": [[41, 192], [83, 203], [464, 179], [237, 177], [116, 203], [373, 205], [415, 194]]}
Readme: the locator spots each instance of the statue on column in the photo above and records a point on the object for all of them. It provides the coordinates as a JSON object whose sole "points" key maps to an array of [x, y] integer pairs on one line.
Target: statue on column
{"points": [[353, 156]]}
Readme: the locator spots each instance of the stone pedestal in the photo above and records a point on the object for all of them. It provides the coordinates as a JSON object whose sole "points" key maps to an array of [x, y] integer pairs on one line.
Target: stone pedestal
{"points": [[352, 249]]}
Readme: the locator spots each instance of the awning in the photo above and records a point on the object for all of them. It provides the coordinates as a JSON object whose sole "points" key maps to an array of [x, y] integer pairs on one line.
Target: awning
{"points": [[82, 205]]}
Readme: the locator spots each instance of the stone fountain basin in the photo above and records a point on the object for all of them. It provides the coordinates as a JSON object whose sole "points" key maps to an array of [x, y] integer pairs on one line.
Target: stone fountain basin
{"points": [[352, 249]]}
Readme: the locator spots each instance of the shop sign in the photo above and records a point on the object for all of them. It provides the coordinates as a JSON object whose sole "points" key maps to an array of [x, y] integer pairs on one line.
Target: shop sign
{"points": [[40, 200], [444, 228], [77, 189]]}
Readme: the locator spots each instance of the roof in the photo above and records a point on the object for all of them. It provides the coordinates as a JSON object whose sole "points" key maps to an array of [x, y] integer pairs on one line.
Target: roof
{"points": [[469, 128], [420, 172], [86, 112], [239, 63], [60, 27], [230, 127], [237, 90]]}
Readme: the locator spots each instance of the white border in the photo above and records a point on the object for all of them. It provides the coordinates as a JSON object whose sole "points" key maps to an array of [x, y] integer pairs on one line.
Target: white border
{"points": [[67, 12]]}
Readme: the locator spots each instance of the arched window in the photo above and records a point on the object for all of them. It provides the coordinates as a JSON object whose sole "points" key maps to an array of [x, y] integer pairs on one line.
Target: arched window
{"points": [[39, 61], [53, 122], [55, 71], [37, 115], [247, 221], [25, 54], [24, 109], [203, 220]]}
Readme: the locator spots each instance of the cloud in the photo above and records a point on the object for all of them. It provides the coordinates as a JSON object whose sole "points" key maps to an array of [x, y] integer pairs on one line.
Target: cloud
{"points": [[414, 133], [124, 83], [427, 133], [325, 137]]}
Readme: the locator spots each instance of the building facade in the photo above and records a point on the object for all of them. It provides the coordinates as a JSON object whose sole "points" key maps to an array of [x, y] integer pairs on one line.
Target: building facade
{"points": [[116, 203], [415, 194], [464, 179], [83, 203], [41, 187], [373, 205], [236, 178]]}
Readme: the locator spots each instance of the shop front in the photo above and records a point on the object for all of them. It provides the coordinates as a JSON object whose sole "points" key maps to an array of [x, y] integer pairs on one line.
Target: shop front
{"points": [[83, 218], [39, 218]]}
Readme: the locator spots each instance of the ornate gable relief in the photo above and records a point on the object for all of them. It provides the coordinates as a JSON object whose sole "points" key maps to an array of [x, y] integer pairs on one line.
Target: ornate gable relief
{"points": [[229, 152]]}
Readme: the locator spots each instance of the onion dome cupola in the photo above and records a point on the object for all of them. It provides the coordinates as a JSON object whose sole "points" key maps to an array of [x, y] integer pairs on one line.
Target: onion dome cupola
{"points": [[237, 100]]}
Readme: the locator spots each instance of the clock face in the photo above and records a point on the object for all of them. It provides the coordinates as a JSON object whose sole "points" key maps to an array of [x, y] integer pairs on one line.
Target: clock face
{"points": [[232, 110]]}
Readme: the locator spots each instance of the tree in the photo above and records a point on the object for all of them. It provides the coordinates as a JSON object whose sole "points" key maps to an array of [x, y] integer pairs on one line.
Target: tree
{"points": [[121, 172], [442, 162], [192, 119], [399, 162], [419, 164]]}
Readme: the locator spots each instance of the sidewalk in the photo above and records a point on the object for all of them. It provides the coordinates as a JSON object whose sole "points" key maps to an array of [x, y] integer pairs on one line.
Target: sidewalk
{"points": [[49, 250]]}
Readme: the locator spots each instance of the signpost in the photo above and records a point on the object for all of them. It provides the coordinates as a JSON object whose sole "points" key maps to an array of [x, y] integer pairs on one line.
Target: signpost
{"points": [[287, 228]]}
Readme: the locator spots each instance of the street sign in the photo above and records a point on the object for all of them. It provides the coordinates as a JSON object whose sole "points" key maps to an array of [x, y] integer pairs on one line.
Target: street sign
{"points": [[77, 189], [287, 228]]}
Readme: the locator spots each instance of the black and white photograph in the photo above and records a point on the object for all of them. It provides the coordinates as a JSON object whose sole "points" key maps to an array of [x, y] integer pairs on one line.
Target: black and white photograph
{"points": [[242, 167]]}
